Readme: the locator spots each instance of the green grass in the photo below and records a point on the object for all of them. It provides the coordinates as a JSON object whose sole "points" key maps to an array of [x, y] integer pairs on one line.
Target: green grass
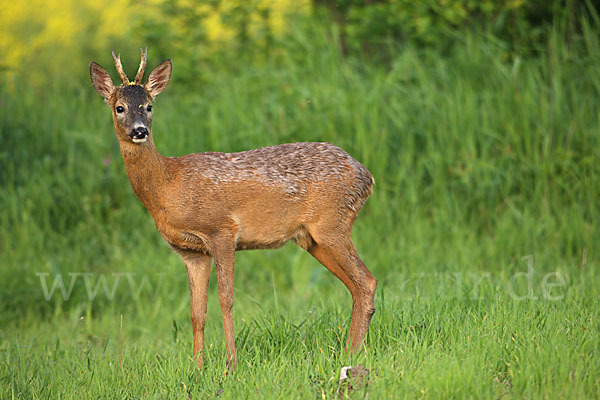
{"points": [[434, 348], [485, 167]]}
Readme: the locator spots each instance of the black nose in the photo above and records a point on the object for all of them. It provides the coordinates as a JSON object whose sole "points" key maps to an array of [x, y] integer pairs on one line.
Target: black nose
{"points": [[139, 133]]}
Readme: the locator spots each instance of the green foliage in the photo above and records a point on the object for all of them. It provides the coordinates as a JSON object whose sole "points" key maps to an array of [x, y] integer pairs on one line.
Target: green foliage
{"points": [[522, 24], [211, 35], [432, 348]]}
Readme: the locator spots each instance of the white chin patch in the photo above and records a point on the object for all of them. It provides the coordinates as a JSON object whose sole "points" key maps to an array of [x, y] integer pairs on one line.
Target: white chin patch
{"points": [[140, 140]]}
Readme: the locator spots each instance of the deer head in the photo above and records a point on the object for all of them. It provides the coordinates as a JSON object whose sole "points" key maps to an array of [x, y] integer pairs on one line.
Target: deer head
{"points": [[131, 102]]}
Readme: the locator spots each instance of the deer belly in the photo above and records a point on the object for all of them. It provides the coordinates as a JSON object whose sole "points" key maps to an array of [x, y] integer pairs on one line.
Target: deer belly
{"points": [[263, 236]]}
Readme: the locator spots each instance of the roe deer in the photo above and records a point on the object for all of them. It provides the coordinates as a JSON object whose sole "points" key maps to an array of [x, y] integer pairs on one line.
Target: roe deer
{"points": [[208, 205]]}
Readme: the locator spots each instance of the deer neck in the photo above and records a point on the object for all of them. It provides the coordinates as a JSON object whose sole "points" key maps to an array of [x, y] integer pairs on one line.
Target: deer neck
{"points": [[146, 170]]}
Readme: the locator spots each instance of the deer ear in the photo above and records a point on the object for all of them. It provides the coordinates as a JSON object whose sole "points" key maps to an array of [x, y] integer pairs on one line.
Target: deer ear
{"points": [[101, 80], [159, 78]]}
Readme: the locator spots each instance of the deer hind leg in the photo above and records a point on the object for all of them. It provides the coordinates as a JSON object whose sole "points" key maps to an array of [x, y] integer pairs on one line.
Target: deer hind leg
{"points": [[198, 269], [224, 264], [341, 258]]}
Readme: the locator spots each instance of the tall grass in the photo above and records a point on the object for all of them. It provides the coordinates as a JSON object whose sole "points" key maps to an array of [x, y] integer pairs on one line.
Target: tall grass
{"points": [[480, 159]]}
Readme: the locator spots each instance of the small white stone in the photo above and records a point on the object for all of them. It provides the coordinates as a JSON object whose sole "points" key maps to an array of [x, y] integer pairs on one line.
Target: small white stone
{"points": [[344, 373]]}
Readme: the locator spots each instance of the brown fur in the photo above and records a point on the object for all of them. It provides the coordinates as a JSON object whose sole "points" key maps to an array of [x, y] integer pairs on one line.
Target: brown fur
{"points": [[208, 205]]}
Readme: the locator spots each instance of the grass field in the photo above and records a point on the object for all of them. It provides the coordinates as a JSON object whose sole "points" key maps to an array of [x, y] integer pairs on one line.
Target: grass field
{"points": [[482, 231]]}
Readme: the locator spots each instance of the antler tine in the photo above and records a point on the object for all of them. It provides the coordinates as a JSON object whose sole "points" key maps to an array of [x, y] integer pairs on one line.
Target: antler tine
{"points": [[140, 74], [119, 67]]}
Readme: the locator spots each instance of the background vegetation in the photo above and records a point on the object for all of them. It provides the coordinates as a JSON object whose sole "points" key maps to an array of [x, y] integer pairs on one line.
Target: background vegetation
{"points": [[479, 121]]}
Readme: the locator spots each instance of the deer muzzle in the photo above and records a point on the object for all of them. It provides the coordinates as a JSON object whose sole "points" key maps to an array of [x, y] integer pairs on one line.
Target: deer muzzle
{"points": [[139, 134]]}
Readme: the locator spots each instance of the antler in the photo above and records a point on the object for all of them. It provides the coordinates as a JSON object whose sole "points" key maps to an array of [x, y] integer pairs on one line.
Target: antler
{"points": [[119, 67], [140, 73]]}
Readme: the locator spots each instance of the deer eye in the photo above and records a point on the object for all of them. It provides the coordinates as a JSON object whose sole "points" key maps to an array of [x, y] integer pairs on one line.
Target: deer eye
{"points": [[149, 108], [119, 109]]}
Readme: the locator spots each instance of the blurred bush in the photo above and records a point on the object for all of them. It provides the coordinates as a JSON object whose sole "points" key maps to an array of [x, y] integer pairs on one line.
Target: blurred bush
{"points": [[207, 34], [42, 39], [371, 24]]}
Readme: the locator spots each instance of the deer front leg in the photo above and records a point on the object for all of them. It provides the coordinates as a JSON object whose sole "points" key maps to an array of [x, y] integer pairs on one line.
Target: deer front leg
{"points": [[224, 264], [198, 269]]}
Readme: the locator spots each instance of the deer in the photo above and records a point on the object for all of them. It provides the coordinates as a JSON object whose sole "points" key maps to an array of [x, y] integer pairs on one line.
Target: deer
{"points": [[209, 205]]}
